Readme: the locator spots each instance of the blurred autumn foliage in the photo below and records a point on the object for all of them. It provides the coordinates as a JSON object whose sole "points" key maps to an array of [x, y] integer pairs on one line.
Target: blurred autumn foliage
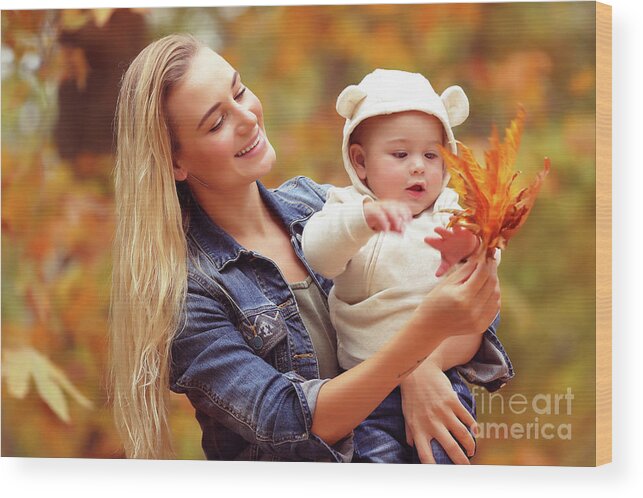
{"points": [[60, 73]]}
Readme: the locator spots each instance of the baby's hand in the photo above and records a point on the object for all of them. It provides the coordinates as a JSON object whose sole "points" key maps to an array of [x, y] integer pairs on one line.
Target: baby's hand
{"points": [[384, 216], [454, 245]]}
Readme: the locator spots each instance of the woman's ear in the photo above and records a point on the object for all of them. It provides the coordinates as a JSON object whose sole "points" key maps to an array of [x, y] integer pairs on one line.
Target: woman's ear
{"points": [[358, 160], [456, 103], [180, 173]]}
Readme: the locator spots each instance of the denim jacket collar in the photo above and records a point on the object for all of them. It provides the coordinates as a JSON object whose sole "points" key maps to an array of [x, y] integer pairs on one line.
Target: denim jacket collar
{"points": [[223, 248]]}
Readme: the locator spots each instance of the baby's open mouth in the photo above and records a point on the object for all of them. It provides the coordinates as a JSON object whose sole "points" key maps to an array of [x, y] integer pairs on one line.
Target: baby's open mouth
{"points": [[416, 188]]}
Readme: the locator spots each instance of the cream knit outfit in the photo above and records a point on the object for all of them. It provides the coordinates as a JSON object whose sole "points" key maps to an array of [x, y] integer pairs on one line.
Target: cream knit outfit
{"points": [[380, 277]]}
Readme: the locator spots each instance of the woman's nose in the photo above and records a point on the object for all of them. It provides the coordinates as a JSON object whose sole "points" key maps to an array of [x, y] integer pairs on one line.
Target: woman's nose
{"points": [[247, 120]]}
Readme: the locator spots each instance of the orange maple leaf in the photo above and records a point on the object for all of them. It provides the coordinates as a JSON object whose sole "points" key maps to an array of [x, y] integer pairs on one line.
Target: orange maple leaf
{"points": [[494, 208]]}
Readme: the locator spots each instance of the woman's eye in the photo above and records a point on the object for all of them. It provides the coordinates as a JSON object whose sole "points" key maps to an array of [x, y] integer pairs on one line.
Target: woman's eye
{"points": [[240, 94], [218, 124], [399, 155]]}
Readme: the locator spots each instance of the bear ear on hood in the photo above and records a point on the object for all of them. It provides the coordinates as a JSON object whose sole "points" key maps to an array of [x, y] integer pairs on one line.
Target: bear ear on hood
{"points": [[348, 100], [456, 103]]}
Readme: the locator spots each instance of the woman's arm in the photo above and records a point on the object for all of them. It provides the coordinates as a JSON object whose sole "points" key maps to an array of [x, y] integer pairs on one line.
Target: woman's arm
{"points": [[455, 351], [464, 301]]}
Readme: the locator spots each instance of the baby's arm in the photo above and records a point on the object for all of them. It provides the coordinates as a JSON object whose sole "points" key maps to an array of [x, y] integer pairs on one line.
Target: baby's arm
{"points": [[384, 216], [345, 224]]}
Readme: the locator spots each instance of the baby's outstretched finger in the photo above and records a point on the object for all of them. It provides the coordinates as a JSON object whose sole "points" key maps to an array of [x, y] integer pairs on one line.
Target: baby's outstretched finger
{"points": [[381, 222], [434, 242], [443, 232]]}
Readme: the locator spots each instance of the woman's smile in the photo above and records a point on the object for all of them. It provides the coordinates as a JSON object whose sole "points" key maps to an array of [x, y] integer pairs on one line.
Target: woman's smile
{"points": [[253, 148]]}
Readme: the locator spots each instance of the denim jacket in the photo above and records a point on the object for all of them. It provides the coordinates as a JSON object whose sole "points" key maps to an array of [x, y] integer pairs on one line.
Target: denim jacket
{"points": [[243, 356]]}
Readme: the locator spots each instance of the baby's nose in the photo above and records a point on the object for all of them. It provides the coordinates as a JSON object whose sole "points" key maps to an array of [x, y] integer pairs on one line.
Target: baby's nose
{"points": [[417, 167]]}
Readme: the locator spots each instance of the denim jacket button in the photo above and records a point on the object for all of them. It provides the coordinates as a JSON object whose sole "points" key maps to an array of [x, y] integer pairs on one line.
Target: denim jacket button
{"points": [[256, 342]]}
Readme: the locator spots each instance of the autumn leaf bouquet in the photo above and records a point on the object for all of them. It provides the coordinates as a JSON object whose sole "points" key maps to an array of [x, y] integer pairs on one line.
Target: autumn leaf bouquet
{"points": [[494, 208]]}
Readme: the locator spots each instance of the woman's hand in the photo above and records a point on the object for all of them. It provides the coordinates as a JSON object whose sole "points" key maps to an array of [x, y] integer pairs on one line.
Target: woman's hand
{"points": [[432, 410], [465, 301]]}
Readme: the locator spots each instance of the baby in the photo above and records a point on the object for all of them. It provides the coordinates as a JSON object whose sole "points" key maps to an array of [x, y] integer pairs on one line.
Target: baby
{"points": [[376, 238]]}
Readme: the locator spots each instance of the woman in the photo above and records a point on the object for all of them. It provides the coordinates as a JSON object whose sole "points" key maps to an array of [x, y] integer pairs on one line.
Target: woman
{"points": [[208, 278]]}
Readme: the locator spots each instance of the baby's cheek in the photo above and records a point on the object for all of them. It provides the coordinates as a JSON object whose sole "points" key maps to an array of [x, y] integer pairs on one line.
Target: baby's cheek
{"points": [[434, 186], [436, 175], [392, 179], [384, 186]]}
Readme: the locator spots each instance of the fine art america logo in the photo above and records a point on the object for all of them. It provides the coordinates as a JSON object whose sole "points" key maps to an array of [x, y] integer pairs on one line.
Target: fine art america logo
{"points": [[539, 408]]}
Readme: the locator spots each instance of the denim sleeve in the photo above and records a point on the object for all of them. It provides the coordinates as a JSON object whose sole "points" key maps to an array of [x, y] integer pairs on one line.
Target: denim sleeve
{"points": [[320, 189], [490, 367], [223, 378]]}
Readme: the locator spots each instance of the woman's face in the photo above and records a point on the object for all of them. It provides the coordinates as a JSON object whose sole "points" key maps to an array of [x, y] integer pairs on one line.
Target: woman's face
{"points": [[218, 124]]}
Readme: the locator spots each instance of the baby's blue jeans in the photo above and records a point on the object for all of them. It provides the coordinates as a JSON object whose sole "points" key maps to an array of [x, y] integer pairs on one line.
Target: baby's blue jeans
{"points": [[381, 438]]}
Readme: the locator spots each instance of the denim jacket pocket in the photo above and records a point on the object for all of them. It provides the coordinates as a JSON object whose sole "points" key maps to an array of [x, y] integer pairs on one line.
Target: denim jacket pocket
{"points": [[263, 330]]}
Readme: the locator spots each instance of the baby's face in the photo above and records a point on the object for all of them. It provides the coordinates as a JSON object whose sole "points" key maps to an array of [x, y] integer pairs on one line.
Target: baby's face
{"points": [[398, 158]]}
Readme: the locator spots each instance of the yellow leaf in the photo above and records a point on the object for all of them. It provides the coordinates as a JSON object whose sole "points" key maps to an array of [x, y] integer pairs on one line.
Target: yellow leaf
{"points": [[16, 376], [49, 390], [51, 382]]}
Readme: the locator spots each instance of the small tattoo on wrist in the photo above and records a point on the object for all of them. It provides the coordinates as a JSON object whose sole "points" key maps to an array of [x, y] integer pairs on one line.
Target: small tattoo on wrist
{"points": [[412, 368]]}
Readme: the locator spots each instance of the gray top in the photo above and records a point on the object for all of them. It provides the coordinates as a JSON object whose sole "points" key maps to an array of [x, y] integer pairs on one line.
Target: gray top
{"points": [[314, 313]]}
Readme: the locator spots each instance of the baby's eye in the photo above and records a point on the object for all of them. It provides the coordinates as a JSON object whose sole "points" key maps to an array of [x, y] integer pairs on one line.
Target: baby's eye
{"points": [[399, 155], [240, 94], [431, 155]]}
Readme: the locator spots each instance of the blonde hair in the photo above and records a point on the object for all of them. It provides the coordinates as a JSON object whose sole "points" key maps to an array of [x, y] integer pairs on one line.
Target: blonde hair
{"points": [[149, 276]]}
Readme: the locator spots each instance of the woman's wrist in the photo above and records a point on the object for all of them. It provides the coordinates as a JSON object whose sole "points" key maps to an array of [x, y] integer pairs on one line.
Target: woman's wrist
{"points": [[413, 345], [432, 362], [428, 321], [436, 360]]}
